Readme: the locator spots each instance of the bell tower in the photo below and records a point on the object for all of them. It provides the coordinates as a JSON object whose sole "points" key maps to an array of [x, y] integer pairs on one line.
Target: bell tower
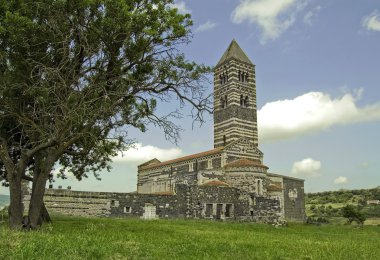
{"points": [[235, 113]]}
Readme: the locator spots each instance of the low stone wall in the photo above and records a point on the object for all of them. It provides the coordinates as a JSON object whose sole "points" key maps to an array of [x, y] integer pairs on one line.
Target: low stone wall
{"points": [[189, 201], [76, 203]]}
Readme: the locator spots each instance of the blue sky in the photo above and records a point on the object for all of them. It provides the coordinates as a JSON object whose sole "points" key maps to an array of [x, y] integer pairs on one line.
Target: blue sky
{"points": [[318, 90]]}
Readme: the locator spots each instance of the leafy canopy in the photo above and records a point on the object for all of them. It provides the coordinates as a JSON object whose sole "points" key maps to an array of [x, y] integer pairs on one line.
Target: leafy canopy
{"points": [[75, 73]]}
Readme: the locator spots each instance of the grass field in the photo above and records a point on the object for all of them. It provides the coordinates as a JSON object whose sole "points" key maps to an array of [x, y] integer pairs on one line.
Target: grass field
{"points": [[100, 238]]}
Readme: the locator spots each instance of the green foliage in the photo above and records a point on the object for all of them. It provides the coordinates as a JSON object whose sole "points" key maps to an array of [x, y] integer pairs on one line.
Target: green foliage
{"points": [[353, 213], [317, 220], [86, 70], [330, 204], [75, 75], [93, 238]]}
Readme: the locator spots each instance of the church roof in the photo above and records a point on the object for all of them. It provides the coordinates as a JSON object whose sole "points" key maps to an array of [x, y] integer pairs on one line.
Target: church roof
{"points": [[245, 163], [234, 52], [185, 158], [151, 162]]}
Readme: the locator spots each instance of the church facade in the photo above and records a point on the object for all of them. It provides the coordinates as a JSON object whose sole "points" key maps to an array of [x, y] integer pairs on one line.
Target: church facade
{"points": [[235, 163], [228, 182]]}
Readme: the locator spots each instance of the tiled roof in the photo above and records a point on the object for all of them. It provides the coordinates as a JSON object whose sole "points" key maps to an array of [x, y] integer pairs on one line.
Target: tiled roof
{"points": [[185, 158], [283, 176], [234, 51], [150, 162], [245, 163], [215, 183]]}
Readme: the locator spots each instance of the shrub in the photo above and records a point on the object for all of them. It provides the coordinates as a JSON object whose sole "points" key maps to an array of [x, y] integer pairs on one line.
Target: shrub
{"points": [[352, 214]]}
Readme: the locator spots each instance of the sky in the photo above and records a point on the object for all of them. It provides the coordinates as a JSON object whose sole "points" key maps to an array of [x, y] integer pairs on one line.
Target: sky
{"points": [[318, 91]]}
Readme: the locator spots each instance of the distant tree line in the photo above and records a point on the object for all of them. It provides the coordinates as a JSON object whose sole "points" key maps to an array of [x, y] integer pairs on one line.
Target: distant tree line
{"points": [[344, 196], [350, 204]]}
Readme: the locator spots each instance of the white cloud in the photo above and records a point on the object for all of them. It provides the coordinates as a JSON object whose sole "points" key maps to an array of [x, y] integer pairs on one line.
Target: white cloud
{"points": [[371, 22], [341, 180], [310, 113], [306, 167], [364, 164], [140, 154], [181, 6], [205, 26], [273, 16], [308, 17]]}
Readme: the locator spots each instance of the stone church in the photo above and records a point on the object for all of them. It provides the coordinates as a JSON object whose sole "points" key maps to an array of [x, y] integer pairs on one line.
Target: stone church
{"points": [[235, 163], [228, 182]]}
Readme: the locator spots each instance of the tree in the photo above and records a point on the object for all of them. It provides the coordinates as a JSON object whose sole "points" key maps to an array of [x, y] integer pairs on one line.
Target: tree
{"points": [[353, 214], [75, 74]]}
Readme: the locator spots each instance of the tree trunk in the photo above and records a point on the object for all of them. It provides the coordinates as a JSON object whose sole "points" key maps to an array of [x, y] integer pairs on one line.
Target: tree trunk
{"points": [[15, 208], [37, 200], [45, 217], [37, 209]]}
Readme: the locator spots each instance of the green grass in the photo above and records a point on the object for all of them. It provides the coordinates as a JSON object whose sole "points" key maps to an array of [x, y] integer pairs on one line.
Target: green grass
{"points": [[100, 238]]}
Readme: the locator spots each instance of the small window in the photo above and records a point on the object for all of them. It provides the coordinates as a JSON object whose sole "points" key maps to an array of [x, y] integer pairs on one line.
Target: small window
{"points": [[226, 101], [252, 201], [191, 167], [209, 210], [209, 164], [224, 79], [251, 213], [246, 101], [112, 202], [222, 103], [228, 210], [241, 100], [127, 209], [221, 79], [259, 187], [224, 140]]}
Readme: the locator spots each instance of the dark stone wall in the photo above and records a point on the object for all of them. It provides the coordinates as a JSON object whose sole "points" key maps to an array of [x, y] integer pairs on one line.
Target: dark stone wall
{"points": [[166, 205], [218, 196], [235, 111], [189, 201], [294, 199], [265, 210]]}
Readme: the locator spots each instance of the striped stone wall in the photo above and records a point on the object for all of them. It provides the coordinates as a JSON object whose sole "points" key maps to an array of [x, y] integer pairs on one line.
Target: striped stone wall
{"points": [[234, 103]]}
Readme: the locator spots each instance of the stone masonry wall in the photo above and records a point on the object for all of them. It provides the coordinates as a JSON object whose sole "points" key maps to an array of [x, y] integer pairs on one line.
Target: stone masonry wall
{"points": [[294, 199]]}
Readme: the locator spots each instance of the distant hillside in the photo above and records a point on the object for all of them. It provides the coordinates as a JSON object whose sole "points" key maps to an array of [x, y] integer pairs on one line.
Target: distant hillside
{"points": [[4, 200], [328, 204], [343, 196]]}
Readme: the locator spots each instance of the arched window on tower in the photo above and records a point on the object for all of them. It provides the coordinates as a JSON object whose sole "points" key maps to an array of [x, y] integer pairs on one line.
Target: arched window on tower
{"points": [[246, 77], [221, 79], [226, 101], [246, 101], [239, 75], [224, 140], [241, 100], [222, 102]]}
